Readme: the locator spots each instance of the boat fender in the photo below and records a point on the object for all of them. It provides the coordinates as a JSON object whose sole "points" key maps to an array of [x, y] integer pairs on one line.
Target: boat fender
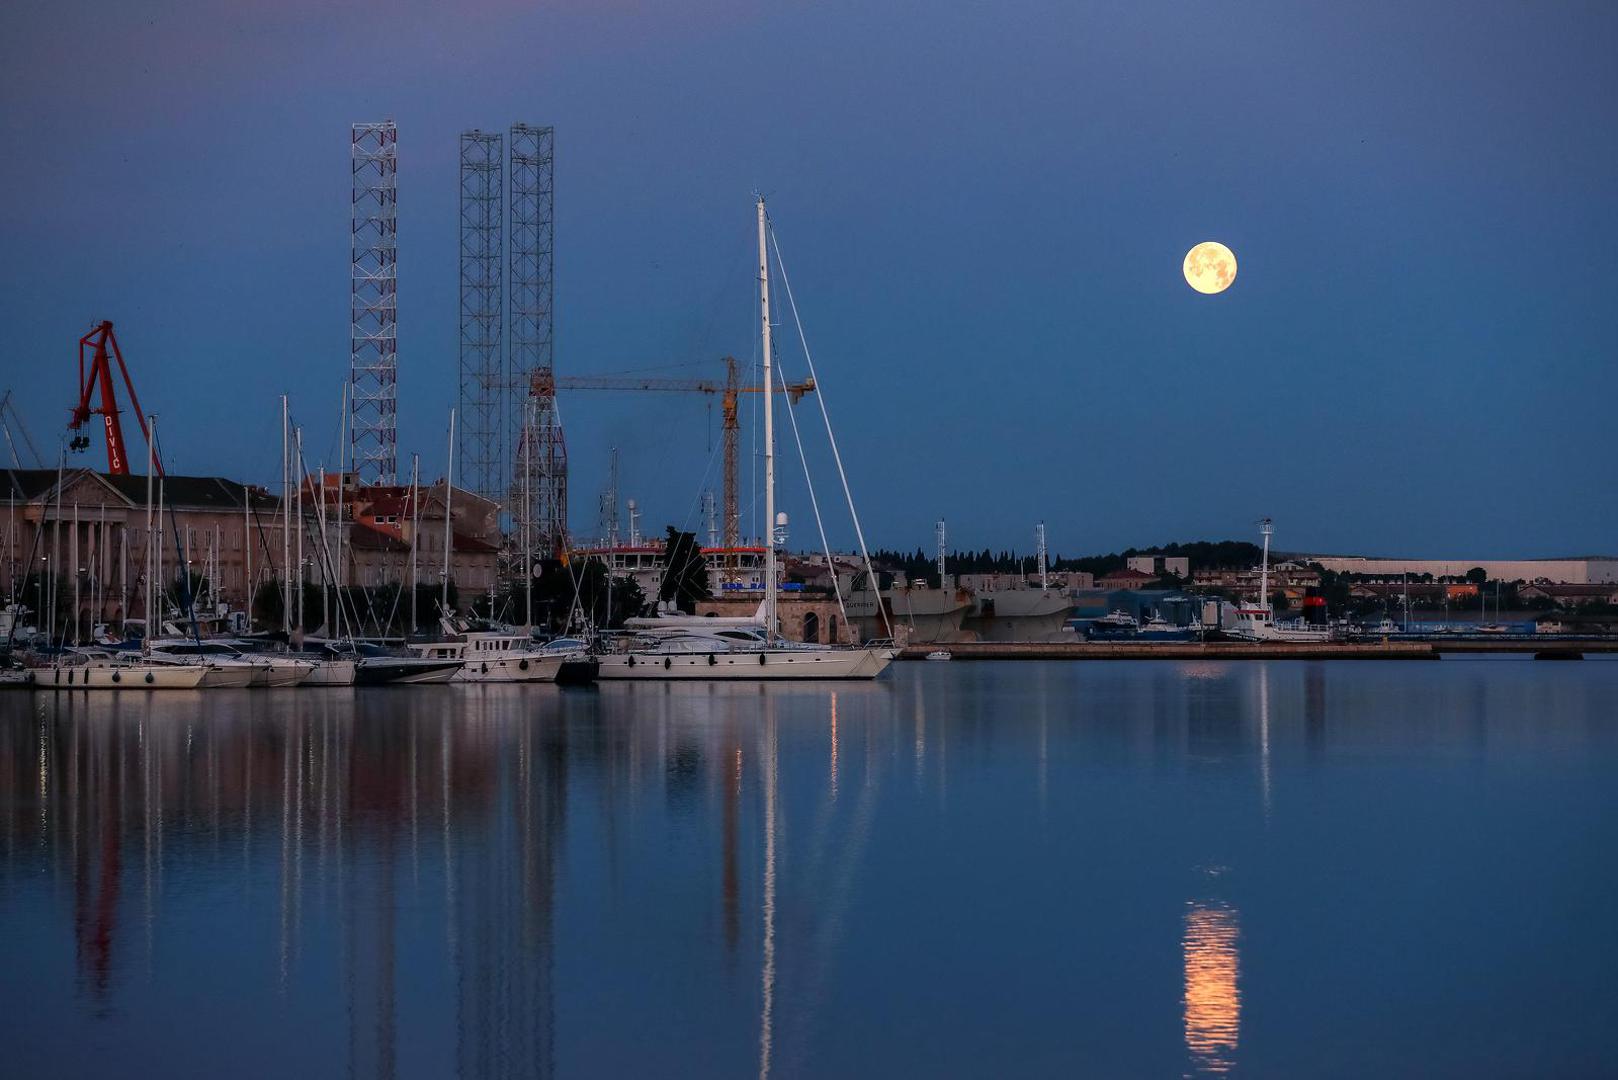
{"points": [[668, 662], [631, 661], [712, 660], [149, 677], [523, 664], [485, 667], [116, 677], [760, 659]]}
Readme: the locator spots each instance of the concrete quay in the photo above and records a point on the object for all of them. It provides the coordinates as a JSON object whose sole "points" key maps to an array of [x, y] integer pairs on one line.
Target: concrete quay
{"points": [[1232, 650]]}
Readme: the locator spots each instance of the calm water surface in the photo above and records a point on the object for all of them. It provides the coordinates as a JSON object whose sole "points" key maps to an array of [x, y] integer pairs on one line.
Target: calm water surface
{"points": [[967, 869]]}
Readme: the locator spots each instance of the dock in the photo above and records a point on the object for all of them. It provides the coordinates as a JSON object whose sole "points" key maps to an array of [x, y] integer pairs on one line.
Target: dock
{"points": [[1237, 650]]}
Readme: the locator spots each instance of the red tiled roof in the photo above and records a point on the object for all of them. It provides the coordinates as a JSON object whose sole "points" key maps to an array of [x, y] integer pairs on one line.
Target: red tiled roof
{"points": [[388, 504], [471, 545], [365, 538], [1128, 574]]}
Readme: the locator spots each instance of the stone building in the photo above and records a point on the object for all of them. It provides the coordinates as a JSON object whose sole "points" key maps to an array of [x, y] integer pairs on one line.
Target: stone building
{"points": [[806, 618], [91, 531]]}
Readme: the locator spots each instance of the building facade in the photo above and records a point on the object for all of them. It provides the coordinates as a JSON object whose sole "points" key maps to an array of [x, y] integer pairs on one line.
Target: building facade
{"points": [[91, 537]]}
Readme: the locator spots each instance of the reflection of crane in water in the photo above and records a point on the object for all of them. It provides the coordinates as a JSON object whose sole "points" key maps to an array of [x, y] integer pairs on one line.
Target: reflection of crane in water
{"points": [[95, 903]]}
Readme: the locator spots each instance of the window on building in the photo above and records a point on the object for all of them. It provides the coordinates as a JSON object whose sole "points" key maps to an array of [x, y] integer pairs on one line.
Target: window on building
{"points": [[811, 626]]}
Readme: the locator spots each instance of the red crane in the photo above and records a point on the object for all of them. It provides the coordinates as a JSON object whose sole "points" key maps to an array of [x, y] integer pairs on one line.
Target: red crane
{"points": [[99, 373]]}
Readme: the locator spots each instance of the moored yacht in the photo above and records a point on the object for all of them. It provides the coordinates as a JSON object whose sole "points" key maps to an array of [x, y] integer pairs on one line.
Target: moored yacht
{"points": [[227, 666], [693, 647], [102, 669], [505, 655]]}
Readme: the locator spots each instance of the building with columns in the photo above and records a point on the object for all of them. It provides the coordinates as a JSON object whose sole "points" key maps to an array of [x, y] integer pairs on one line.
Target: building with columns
{"points": [[93, 533]]}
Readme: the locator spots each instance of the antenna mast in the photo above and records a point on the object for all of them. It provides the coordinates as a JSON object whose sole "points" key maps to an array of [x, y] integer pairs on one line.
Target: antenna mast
{"points": [[1039, 543], [1267, 528]]}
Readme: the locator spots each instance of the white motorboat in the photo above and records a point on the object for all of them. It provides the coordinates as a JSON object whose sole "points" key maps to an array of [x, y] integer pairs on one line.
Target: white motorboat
{"points": [[349, 663], [226, 667], [736, 653], [939, 654], [506, 656], [340, 663]]}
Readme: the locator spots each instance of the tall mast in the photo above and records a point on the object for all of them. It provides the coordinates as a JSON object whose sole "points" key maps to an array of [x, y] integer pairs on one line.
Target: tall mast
{"points": [[73, 567], [449, 535], [297, 470], [326, 562], [415, 534], [527, 529], [247, 548], [151, 438], [286, 526], [769, 429], [1268, 529], [343, 463]]}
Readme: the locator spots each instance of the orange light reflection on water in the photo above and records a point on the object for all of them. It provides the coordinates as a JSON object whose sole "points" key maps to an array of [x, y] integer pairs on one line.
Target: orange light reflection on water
{"points": [[1213, 998]]}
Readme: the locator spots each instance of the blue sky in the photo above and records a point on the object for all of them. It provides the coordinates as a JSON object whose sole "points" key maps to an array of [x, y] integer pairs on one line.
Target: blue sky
{"points": [[983, 207]]}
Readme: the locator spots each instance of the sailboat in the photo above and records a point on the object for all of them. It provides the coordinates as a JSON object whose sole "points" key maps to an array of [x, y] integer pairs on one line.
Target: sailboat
{"points": [[698, 647]]}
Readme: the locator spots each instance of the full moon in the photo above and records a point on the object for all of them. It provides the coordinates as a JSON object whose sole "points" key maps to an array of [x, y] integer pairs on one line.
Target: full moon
{"points": [[1210, 267]]}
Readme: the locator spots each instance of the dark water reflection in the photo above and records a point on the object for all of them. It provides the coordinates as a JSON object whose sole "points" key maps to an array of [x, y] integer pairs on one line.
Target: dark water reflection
{"points": [[971, 870]]}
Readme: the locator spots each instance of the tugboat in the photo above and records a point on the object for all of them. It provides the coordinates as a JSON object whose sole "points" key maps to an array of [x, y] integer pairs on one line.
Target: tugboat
{"points": [[1257, 623]]}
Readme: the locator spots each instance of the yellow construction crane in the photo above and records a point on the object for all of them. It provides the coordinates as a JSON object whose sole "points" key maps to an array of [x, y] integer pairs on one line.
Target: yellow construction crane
{"points": [[728, 392]]}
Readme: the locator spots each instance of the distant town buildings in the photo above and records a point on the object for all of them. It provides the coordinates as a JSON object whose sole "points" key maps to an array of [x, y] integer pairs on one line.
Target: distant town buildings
{"points": [[1287, 578], [1159, 565], [1567, 596], [1419, 591], [1584, 570], [1127, 578]]}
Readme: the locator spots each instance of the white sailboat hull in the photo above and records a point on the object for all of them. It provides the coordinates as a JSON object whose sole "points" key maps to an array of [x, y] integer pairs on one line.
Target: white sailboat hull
{"points": [[331, 673], [748, 665], [282, 673], [223, 677], [507, 668], [441, 672], [121, 677]]}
